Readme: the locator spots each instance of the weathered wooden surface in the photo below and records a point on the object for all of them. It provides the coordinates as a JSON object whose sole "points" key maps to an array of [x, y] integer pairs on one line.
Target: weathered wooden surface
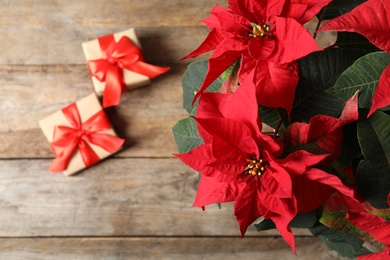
{"points": [[122, 197], [138, 203], [308, 248]]}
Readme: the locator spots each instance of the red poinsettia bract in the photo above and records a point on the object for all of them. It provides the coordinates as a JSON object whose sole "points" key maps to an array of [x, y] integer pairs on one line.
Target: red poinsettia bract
{"points": [[238, 163], [268, 36], [377, 227], [340, 212], [371, 19]]}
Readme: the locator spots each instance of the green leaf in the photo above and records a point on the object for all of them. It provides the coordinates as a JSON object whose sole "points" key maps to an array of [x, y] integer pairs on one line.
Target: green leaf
{"points": [[333, 215], [345, 245], [373, 173], [186, 135], [363, 75], [266, 224], [337, 8], [299, 221], [354, 41], [318, 72], [350, 149], [231, 71], [272, 117], [192, 80]]}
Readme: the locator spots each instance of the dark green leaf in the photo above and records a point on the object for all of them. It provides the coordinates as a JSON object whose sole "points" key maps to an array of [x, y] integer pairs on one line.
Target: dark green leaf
{"points": [[374, 136], [299, 221], [272, 117], [186, 135], [266, 224], [318, 72], [337, 8], [192, 80], [373, 174], [345, 245], [350, 148], [373, 181], [354, 41], [363, 75]]}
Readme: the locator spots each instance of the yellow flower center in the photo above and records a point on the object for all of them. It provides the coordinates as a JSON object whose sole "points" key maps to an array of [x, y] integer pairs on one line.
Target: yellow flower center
{"points": [[256, 167], [260, 30]]}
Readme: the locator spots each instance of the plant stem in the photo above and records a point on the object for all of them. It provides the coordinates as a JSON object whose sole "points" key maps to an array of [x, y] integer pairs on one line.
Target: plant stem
{"points": [[319, 23], [279, 125]]}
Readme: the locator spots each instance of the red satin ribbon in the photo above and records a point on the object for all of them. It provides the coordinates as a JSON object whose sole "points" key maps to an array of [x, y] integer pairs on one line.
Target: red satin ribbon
{"points": [[117, 56], [68, 140]]}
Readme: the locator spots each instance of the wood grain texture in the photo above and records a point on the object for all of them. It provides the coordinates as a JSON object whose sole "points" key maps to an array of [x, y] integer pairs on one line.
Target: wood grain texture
{"points": [[118, 197], [161, 45], [42, 32], [104, 13], [308, 248], [29, 93]]}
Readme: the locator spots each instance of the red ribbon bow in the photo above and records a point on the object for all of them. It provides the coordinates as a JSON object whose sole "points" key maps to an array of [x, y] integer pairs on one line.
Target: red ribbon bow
{"points": [[117, 56], [67, 140]]}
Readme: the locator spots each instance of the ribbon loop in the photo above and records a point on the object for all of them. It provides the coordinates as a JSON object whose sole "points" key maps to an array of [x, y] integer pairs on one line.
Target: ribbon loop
{"points": [[68, 140], [117, 56]]}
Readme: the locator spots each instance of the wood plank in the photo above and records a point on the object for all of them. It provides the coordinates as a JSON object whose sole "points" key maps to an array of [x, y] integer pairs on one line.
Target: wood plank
{"points": [[29, 93], [53, 32], [163, 248], [104, 13], [62, 45], [118, 197]]}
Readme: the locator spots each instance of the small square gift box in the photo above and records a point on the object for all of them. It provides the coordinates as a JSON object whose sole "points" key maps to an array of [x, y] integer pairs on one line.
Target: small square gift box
{"points": [[116, 64], [80, 135]]}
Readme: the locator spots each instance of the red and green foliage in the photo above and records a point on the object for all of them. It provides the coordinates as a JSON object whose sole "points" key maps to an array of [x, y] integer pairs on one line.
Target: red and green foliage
{"points": [[290, 132]]}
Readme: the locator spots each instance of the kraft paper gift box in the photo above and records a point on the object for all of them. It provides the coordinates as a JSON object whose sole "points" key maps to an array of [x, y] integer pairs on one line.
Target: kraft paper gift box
{"points": [[124, 51], [92, 122]]}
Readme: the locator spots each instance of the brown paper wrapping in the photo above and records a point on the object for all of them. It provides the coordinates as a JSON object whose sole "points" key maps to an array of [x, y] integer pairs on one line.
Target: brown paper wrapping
{"points": [[92, 51], [87, 107]]}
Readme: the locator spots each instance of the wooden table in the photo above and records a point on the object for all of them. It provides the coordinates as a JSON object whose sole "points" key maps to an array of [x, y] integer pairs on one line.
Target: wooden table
{"points": [[136, 204]]}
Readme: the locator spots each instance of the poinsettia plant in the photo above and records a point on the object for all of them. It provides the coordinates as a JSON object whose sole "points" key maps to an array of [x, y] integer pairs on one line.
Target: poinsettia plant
{"points": [[294, 134]]}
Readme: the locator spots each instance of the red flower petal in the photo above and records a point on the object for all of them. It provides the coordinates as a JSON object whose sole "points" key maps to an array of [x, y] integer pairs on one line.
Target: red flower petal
{"points": [[261, 48], [198, 158], [382, 92], [211, 105], [323, 134], [370, 19], [277, 182], [282, 224], [257, 11], [211, 42], [298, 162], [350, 111], [247, 207], [240, 106], [243, 107], [303, 10], [293, 41], [330, 180], [227, 52], [310, 194], [231, 139], [372, 224], [212, 191], [229, 21], [276, 80]]}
